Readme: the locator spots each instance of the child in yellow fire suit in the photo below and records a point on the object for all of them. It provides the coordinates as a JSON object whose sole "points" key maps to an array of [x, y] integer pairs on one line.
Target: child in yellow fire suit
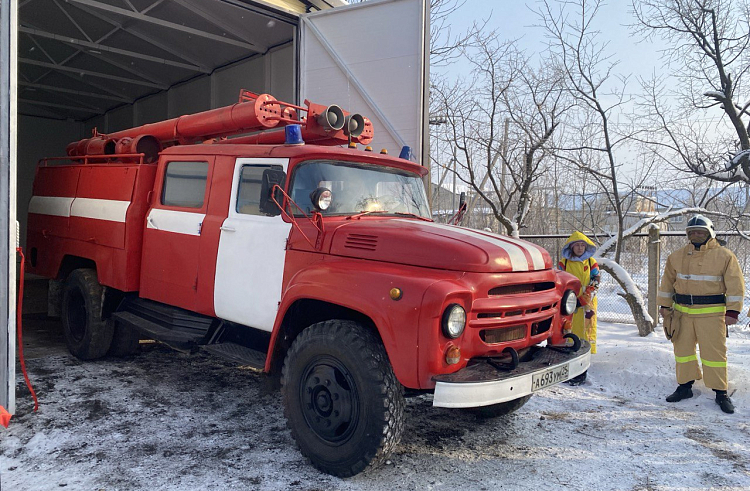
{"points": [[578, 260]]}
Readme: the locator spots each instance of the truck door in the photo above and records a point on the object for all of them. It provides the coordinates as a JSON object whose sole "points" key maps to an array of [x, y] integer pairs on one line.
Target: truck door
{"points": [[172, 237], [252, 251]]}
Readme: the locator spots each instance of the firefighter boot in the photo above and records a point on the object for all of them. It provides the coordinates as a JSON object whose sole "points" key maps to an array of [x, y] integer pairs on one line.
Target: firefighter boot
{"points": [[578, 379], [724, 402], [684, 391]]}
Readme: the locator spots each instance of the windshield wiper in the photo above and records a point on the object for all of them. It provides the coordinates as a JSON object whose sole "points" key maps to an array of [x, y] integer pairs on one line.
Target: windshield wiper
{"points": [[363, 213], [413, 215]]}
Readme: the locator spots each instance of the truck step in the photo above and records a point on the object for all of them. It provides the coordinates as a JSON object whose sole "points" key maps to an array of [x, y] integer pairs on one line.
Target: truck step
{"points": [[180, 340], [179, 328], [168, 316], [237, 353]]}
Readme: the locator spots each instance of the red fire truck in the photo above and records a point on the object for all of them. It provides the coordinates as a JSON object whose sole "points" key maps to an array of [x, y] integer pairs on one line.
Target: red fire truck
{"points": [[316, 262]]}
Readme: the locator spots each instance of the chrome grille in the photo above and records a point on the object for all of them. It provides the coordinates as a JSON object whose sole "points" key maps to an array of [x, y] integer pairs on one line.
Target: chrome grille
{"points": [[493, 336], [520, 289]]}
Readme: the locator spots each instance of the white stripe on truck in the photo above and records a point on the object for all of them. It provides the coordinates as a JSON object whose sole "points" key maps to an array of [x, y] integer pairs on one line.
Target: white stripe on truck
{"points": [[98, 209], [50, 205], [514, 250]]}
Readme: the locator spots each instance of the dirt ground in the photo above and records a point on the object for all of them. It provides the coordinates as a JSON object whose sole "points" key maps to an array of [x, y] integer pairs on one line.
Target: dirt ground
{"points": [[168, 420]]}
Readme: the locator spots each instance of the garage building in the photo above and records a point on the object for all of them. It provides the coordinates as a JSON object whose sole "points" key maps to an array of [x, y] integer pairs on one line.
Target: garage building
{"points": [[69, 67]]}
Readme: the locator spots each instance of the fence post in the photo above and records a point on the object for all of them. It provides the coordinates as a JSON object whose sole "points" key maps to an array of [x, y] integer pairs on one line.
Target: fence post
{"points": [[654, 260]]}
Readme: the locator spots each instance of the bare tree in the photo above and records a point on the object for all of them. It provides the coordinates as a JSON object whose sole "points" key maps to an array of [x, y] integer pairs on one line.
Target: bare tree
{"points": [[706, 46], [590, 77], [595, 141], [445, 44], [499, 127]]}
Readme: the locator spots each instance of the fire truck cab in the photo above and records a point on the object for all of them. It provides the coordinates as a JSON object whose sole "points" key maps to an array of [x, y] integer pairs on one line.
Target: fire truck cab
{"points": [[318, 264]]}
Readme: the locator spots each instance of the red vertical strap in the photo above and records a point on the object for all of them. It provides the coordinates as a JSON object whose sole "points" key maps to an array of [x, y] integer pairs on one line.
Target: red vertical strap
{"points": [[19, 328]]}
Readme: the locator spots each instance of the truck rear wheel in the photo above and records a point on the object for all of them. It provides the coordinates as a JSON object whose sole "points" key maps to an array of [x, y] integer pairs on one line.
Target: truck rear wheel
{"points": [[86, 334], [342, 402], [500, 409]]}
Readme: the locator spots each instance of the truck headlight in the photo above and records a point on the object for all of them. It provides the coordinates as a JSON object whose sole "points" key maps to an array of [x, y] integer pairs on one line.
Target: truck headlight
{"points": [[569, 302], [454, 321]]}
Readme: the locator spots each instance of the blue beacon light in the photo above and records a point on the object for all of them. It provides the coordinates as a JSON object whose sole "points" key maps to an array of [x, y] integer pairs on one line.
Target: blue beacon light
{"points": [[293, 135]]}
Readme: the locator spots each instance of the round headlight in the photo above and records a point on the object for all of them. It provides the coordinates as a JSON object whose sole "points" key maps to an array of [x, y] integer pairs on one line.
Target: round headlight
{"points": [[454, 321], [569, 302]]}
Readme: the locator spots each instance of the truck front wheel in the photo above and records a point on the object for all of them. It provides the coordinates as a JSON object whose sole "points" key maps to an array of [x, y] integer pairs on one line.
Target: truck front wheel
{"points": [[342, 402], [86, 334]]}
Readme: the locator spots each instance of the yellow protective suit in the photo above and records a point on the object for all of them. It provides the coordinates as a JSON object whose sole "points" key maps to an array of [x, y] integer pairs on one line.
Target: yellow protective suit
{"points": [[710, 270], [586, 269]]}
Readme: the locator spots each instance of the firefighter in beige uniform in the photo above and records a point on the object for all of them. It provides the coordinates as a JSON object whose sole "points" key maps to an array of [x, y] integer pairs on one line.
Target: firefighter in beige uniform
{"points": [[700, 295]]}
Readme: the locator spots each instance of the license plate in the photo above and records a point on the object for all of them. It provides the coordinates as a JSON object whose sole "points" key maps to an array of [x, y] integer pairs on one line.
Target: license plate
{"points": [[549, 377]]}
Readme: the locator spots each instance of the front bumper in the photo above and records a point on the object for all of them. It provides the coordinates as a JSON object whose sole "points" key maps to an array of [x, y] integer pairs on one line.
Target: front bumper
{"points": [[482, 384]]}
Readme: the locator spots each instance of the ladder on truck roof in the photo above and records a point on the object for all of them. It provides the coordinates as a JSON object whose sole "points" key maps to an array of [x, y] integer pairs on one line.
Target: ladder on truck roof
{"points": [[259, 113]]}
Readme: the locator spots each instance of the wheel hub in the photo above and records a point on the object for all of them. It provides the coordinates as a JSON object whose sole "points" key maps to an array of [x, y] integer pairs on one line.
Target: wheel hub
{"points": [[329, 399]]}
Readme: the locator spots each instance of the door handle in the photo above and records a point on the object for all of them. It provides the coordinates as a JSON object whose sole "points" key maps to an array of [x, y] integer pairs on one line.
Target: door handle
{"points": [[228, 229]]}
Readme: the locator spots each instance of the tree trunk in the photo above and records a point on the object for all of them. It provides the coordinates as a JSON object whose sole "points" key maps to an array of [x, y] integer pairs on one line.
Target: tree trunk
{"points": [[645, 327], [635, 300]]}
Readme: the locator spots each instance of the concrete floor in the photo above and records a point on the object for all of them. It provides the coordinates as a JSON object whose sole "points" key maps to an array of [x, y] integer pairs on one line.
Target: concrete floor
{"points": [[42, 335]]}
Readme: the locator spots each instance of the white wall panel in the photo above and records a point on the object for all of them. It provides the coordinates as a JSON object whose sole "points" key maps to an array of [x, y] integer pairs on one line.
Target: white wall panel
{"points": [[282, 74], [369, 58], [118, 119], [190, 97], [227, 82], [151, 109]]}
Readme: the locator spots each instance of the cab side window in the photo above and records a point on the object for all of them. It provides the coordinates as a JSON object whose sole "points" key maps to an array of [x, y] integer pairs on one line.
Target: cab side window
{"points": [[248, 192], [185, 184]]}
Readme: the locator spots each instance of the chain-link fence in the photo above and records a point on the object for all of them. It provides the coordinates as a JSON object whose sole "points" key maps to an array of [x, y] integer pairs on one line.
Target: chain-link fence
{"points": [[612, 307]]}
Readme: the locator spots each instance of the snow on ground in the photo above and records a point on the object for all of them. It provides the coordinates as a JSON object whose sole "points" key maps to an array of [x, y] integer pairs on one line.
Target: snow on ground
{"points": [[164, 420]]}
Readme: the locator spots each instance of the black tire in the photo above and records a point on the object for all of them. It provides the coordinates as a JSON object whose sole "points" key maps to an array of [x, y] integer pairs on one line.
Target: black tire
{"points": [[342, 402], [125, 340], [87, 335], [501, 409]]}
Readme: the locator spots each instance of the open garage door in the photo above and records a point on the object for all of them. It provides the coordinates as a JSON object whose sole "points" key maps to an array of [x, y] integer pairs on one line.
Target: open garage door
{"points": [[371, 58], [7, 203]]}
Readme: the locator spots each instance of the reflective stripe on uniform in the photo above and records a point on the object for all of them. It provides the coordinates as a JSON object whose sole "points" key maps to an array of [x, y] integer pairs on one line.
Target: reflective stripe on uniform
{"points": [[699, 277], [734, 299], [714, 364], [685, 359], [665, 295], [699, 310]]}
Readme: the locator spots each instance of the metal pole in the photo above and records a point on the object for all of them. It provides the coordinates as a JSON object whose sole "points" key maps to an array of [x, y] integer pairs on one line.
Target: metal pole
{"points": [[504, 153], [654, 261], [425, 95], [453, 197], [8, 32]]}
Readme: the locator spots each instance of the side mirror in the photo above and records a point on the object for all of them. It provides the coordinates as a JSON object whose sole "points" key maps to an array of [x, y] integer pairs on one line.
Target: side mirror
{"points": [[461, 199], [271, 177]]}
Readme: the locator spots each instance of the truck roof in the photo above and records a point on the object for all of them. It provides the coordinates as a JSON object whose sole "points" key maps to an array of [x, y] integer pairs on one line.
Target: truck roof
{"points": [[296, 152]]}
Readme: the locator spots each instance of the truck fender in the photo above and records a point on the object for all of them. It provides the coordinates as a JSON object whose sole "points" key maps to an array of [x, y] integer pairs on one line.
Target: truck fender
{"points": [[395, 321]]}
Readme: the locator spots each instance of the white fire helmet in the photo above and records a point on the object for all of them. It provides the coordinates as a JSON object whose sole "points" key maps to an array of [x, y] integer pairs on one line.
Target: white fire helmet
{"points": [[699, 222]]}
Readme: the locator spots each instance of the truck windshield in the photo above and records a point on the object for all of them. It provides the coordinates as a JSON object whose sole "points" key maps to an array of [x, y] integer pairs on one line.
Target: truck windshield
{"points": [[357, 188]]}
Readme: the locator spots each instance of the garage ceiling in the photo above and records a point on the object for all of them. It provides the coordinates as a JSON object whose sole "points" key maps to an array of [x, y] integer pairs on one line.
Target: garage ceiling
{"points": [[78, 59]]}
